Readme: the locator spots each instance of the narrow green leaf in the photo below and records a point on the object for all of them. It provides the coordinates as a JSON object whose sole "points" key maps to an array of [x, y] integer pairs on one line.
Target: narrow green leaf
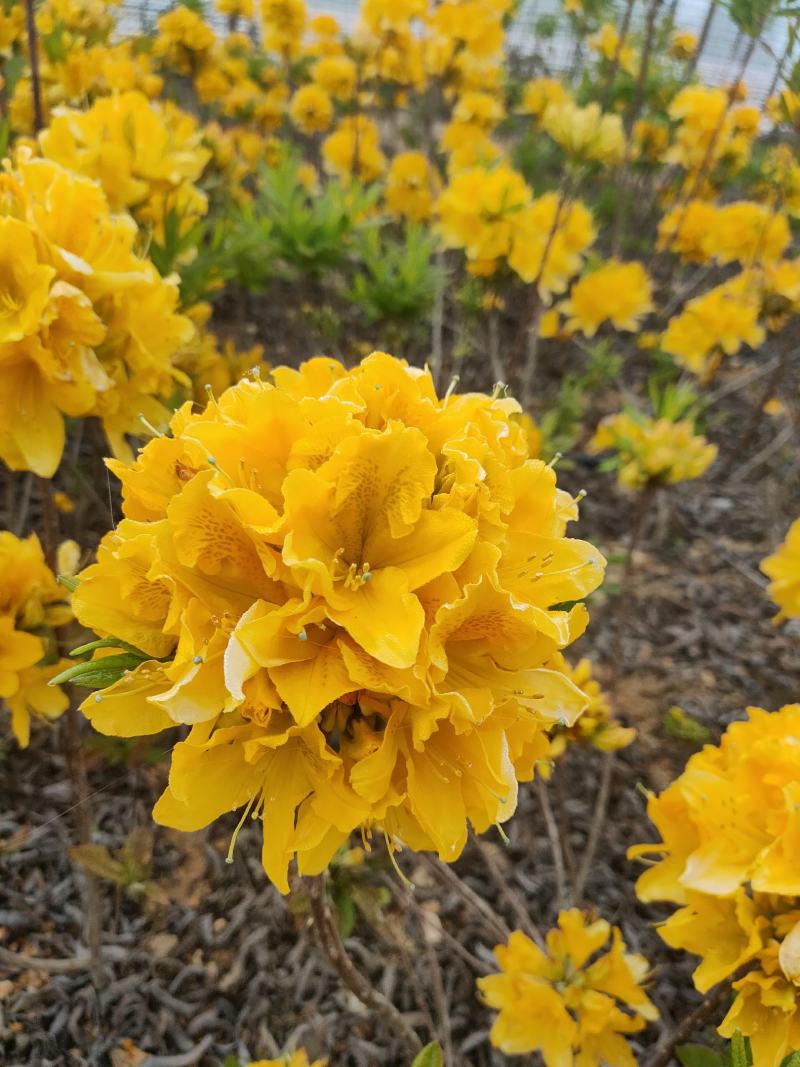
{"points": [[107, 642], [739, 1057], [430, 1056], [699, 1056], [99, 673]]}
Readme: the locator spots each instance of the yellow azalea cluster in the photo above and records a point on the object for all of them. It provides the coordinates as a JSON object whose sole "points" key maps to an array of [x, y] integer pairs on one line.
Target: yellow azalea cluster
{"points": [[147, 157], [728, 857], [87, 325], [653, 451], [596, 726], [539, 93], [493, 216], [352, 591], [184, 40], [410, 185], [710, 129], [717, 323], [783, 570], [743, 231], [311, 109], [574, 999], [682, 44], [585, 133], [282, 25], [32, 605], [619, 293], [606, 42], [354, 150]]}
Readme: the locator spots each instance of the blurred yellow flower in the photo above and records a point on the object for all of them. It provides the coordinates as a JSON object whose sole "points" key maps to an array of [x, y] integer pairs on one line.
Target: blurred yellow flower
{"points": [[410, 185], [311, 109], [653, 451], [619, 293], [585, 132], [572, 1001], [783, 570]]}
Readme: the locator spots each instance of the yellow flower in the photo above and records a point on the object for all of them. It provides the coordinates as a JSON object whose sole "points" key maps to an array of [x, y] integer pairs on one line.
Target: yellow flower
{"points": [[540, 93], [748, 232], [550, 239], [184, 39], [24, 281], [649, 140], [683, 44], [283, 22], [235, 8], [783, 570], [585, 132], [332, 578], [572, 1001], [725, 821], [30, 600], [480, 211], [410, 184], [616, 292], [685, 230], [311, 109], [596, 726], [720, 321], [653, 451], [337, 75], [353, 149], [291, 1059], [606, 43]]}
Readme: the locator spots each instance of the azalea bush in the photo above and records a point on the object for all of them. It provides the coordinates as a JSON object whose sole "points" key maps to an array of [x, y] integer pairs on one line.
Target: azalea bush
{"points": [[312, 342]]}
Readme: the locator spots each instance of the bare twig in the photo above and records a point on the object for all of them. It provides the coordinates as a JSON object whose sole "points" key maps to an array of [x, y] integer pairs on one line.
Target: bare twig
{"points": [[555, 841], [331, 943], [181, 1059], [478, 904], [688, 1026], [33, 53], [596, 828], [512, 899]]}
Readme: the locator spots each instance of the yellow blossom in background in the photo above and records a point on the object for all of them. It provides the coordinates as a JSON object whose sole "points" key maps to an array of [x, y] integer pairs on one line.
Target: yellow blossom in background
{"points": [[410, 184], [606, 42], [480, 209], [650, 140], [283, 22], [32, 604], [650, 451], [353, 149], [184, 39], [574, 1000], [550, 240], [682, 44], [337, 75], [540, 93], [685, 230], [331, 580], [596, 726], [311, 109], [619, 293], [147, 157], [236, 8], [709, 129], [748, 232], [106, 328], [586, 133], [783, 570], [715, 324]]}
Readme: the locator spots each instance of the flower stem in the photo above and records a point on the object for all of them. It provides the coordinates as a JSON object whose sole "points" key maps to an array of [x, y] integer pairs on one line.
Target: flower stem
{"points": [[687, 1027], [33, 52], [331, 944]]}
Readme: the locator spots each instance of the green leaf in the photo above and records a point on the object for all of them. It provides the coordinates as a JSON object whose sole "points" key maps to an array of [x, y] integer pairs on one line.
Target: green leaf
{"points": [[107, 642], [68, 582], [699, 1056], [430, 1056], [739, 1057], [682, 727], [792, 1060], [99, 673], [345, 912]]}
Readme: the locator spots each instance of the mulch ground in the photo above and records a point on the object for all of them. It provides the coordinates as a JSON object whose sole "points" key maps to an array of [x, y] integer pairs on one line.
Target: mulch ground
{"points": [[215, 963]]}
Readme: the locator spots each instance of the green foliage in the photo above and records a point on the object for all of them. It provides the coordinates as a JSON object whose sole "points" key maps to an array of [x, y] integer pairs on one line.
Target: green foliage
{"points": [[351, 890], [129, 868], [699, 1056], [103, 672], [750, 16], [679, 725], [430, 1056], [397, 279], [291, 232], [561, 424]]}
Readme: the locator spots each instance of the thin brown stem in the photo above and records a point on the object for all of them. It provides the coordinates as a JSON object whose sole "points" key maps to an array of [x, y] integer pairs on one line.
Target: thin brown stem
{"points": [[33, 55], [691, 66], [688, 1026], [512, 899], [555, 842], [491, 919], [614, 65], [331, 944], [596, 828], [93, 919]]}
